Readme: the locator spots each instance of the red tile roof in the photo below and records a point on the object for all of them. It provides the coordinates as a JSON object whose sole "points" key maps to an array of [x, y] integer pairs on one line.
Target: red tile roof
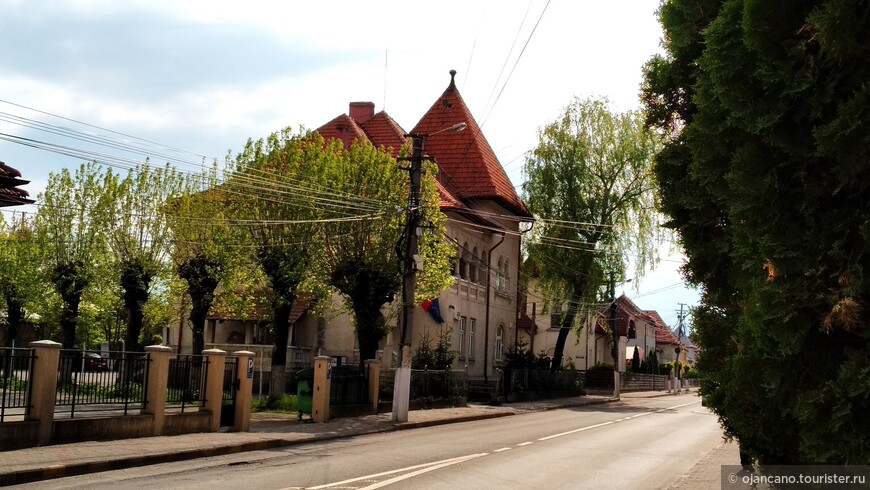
{"points": [[384, 132], [664, 335], [342, 128], [10, 194], [469, 167]]}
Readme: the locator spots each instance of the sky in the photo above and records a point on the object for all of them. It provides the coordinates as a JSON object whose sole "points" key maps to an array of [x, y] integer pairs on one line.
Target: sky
{"points": [[203, 77]]}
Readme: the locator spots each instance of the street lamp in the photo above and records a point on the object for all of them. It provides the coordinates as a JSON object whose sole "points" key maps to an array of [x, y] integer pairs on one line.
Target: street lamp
{"points": [[402, 380]]}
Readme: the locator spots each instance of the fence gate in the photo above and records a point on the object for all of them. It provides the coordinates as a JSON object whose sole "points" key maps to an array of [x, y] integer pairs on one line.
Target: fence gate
{"points": [[231, 385]]}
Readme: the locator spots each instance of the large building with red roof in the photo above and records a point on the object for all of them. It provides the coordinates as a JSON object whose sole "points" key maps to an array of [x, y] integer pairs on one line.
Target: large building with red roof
{"points": [[484, 215], [11, 193]]}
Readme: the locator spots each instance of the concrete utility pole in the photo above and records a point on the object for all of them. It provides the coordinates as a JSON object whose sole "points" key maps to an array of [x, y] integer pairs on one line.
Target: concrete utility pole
{"points": [[615, 332], [402, 380]]}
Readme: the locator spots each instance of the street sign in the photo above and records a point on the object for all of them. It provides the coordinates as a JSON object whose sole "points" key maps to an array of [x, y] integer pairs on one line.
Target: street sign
{"points": [[250, 368]]}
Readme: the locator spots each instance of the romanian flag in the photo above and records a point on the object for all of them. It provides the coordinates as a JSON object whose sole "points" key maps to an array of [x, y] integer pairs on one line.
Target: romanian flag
{"points": [[434, 310]]}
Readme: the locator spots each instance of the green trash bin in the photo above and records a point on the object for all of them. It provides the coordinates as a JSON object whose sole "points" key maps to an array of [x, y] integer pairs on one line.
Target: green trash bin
{"points": [[304, 396]]}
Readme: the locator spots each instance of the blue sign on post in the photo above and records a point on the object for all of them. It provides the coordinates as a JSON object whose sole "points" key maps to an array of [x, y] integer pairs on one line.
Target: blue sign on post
{"points": [[250, 368]]}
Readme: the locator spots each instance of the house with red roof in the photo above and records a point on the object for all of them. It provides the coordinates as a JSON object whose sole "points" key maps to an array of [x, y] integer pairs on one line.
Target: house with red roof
{"points": [[484, 214], [667, 341], [590, 344], [10, 192]]}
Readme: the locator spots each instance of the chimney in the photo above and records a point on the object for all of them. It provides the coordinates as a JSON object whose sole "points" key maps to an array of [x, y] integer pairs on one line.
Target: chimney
{"points": [[361, 111]]}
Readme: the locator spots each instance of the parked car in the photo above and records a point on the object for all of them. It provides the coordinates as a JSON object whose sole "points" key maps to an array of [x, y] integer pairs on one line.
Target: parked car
{"points": [[94, 362]]}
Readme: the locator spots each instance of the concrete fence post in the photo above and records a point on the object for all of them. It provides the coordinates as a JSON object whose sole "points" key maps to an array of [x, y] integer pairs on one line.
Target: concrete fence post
{"points": [[214, 385], [322, 379], [43, 387], [244, 391], [374, 369], [155, 390]]}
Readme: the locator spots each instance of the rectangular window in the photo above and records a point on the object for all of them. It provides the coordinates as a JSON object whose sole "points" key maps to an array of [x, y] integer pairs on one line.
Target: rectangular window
{"points": [[556, 320], [461, 349], [471, 322]]}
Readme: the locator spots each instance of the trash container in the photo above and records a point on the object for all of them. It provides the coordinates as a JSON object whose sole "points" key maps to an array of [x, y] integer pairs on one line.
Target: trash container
{"points": [[304, 393]]}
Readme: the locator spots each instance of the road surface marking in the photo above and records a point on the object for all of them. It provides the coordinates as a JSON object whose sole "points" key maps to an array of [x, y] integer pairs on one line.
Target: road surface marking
{"points": [[424, 470], [502, 449], [524, 443], [574, 431], [613, 422], [459, 459]]}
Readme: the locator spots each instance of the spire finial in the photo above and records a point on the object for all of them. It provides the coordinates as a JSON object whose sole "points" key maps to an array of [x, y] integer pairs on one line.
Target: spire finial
{"points": [[452, 79]]}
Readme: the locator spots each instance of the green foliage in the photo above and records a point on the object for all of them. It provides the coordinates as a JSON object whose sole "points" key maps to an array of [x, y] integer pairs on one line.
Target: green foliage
{"points": [[283, 403], [13, 383], [635, 361], [518, 356], [71, 227], [765, 180], [440, 357], [591, 166], [21, 280]]}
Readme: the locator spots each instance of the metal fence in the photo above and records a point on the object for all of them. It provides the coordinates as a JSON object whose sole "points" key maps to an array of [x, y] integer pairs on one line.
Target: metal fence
{"points": [[427, 384], [544, 383], [15, 367], [187, 376], [88, 384], [348, 386]]}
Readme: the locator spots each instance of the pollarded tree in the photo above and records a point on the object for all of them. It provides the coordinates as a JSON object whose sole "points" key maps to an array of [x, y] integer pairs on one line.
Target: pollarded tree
{"points": [[280, 215], [589, 183], [71, 226], [202, 247], [139, 236], [359, 242], [765, 180], [20, 276]]}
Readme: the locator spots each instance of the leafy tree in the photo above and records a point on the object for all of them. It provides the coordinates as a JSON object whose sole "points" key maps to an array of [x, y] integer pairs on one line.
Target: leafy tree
{"points": [[360, 251], [765, 179], [71, 227], [20, 275], [202, 247], [635, 361], [280, 216], [139, 236], [589, 182]]}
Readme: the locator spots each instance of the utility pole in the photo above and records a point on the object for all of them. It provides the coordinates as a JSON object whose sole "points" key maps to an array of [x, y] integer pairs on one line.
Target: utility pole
{"points": [[615, 333], [402, 380]]}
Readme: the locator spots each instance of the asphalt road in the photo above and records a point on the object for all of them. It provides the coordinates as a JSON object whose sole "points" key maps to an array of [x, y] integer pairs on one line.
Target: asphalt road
{"points": [[641, 443]]}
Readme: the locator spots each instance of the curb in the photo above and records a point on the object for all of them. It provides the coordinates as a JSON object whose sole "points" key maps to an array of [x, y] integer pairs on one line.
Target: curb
{"points": [[63, 471]]}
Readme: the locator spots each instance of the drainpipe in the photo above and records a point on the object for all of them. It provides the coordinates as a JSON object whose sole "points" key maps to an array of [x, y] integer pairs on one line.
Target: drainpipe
{"points": [[486, 322]]}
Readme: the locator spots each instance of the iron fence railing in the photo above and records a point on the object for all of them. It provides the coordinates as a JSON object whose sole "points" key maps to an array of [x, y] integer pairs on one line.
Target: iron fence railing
{"points": [[348, 386], [15, 368], [88, 383], [429, 384], [187, 377], [544, 383], [438, 384]]}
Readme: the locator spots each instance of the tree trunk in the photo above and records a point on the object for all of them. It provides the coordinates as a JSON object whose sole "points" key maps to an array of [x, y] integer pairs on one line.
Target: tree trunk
{"points": [[69, 319], [369, 331], [281, 322], [14, 315], [201, 275], [564, 330]]}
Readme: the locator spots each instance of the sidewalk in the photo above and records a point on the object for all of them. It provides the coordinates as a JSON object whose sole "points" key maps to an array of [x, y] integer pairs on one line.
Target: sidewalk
{"points": [[268, 430]]}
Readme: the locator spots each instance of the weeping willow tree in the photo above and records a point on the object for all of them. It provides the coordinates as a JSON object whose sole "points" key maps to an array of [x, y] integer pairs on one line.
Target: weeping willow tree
{"points": [[589, 184]]}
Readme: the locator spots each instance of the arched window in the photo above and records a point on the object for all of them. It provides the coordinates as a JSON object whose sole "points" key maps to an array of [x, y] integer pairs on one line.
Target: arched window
{"points": [[506, 276], [484, 268], [499, 275], [463, 263], [472, 276], [499, 342], [632, 330]]}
